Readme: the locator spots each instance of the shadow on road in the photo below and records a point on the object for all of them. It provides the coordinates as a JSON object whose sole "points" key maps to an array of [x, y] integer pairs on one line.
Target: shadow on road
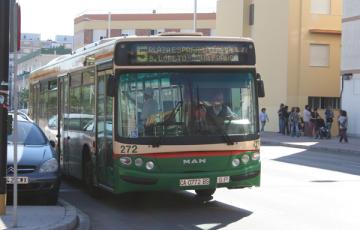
{"points": [[341, 162], [154, 210]]}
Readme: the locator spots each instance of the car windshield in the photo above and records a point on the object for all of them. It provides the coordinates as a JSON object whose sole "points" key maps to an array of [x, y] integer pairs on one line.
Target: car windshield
{"points": [[28, 134], [184, 103]]}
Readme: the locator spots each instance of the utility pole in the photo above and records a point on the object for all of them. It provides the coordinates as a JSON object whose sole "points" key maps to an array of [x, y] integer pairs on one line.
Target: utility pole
{"points": [[4, 78], [195, 16], [109, 25]]}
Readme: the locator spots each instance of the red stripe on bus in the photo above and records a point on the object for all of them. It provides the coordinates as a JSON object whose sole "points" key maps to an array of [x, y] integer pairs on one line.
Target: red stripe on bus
{"points": [[186, 154]]}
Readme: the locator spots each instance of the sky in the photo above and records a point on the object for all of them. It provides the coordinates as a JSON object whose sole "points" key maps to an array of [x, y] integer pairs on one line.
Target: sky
{"points": [[56, 17]]}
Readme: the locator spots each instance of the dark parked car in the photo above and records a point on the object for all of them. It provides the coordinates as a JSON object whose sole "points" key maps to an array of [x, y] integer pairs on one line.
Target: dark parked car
{"points": [[36, 160]]}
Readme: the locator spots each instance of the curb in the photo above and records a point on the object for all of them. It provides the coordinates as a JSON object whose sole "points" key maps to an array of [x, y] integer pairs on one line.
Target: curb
{"points": [[69, 221], [320, 148], [83, 221]]}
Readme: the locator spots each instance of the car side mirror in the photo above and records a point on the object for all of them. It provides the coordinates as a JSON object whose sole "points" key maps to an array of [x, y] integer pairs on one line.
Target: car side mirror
{"points": [[52, 143]]}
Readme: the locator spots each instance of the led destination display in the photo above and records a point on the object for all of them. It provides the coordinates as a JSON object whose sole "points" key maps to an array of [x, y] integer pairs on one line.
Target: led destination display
{"points": [[186, 53]]}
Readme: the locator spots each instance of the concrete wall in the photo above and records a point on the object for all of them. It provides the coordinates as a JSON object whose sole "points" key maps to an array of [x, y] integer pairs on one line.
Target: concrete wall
{"points": [[283, 31], [351, 64], [140, 22], [350, 103], [270, 33], [230, 11]]}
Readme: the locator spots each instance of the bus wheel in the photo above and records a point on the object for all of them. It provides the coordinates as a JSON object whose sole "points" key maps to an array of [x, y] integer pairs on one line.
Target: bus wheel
{"points": [[205, 192], [88, 176]]}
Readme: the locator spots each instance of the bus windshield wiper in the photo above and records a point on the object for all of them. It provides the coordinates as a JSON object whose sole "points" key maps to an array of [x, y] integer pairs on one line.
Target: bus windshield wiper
{"points": [[167, 122]]}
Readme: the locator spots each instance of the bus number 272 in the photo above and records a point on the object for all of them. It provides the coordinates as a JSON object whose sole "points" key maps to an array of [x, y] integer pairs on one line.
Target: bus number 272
{"points": [[128, 148]]}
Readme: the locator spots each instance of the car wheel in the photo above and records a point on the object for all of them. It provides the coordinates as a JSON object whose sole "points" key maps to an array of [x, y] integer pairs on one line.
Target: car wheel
{"points": [[52, 198], [205, 192]]}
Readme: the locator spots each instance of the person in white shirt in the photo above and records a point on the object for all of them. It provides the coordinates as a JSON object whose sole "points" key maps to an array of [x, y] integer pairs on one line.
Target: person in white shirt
{"points": [[307, 117], [263, 117]]}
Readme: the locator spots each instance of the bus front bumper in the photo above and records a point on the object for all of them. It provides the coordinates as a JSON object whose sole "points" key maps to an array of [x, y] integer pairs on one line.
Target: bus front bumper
{"points": [[130, 180]]}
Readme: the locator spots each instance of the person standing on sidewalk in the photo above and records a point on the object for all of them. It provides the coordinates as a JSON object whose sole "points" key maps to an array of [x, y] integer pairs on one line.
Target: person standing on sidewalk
{"points": [[307, 117], [281, 119], [315, 120], [343, 124], [263, 119], [294, 119], [329, 117]]}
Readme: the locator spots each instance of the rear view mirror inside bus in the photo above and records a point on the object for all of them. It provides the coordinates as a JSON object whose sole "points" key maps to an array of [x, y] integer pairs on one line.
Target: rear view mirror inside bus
{"points": [[110, 86]]}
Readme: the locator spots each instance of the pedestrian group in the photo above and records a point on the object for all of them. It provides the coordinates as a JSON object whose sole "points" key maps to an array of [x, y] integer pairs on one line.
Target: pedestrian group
{"points": [[309, 124]]}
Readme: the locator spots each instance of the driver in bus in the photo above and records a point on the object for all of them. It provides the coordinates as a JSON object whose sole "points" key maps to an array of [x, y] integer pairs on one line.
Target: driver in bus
{"points": [[218, 112], [149, 108]]}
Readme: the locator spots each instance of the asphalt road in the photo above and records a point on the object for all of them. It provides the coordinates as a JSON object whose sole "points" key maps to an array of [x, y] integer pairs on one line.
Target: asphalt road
{"points": [[300, 190]]}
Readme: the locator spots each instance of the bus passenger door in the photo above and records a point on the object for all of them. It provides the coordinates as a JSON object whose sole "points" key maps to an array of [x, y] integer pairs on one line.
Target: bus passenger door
{"points": [[104, 126], [63, 100]]}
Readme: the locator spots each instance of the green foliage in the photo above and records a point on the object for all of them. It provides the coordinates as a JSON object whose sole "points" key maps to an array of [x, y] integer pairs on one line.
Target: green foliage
{"points": [[23, 98]]}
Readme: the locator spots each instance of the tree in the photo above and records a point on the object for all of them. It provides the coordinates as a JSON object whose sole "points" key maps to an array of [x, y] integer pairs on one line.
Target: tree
{"points": [[23, 98]]}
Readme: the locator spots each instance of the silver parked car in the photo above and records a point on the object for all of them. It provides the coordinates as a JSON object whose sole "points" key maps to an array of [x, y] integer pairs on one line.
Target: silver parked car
{"points": [[36, 160]]}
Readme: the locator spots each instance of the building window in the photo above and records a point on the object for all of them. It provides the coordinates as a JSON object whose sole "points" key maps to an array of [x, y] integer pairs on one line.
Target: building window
{"points": [[251, 14], [128, 32], [99, 34], [156, 31], [319, 55], [323, 102], [186, 30], [320, 6]]}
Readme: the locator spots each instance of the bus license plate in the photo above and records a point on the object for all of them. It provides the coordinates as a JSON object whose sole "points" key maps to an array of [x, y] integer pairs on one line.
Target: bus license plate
{"points": [[194, 182], [20, 180], [223, 180]]}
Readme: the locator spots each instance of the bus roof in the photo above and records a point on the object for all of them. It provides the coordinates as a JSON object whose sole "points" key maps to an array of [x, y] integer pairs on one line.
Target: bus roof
{"points": [[103, 50]]}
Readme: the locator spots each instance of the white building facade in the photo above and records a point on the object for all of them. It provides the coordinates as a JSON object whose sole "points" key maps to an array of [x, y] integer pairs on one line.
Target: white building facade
{"points": [[350, 93]]}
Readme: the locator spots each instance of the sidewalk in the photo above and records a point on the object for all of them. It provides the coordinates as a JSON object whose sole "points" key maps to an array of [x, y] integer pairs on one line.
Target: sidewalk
{"points": [[327, 145], [60, 217]]}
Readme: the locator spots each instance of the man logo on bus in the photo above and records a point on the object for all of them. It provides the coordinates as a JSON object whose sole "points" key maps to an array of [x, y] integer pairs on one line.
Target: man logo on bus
{"points": [[194, 161]]}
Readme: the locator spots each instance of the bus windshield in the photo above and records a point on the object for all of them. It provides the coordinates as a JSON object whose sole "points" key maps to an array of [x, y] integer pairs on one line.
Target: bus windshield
{"points": [[185, 103]]}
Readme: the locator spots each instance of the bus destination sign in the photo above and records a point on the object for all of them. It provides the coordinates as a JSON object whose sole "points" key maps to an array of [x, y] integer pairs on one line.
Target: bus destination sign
{"points": [[187, 53]]}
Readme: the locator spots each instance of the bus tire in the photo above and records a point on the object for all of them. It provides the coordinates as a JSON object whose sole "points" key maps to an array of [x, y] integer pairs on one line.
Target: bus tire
{"points": [[88, 174], [205, 192]]}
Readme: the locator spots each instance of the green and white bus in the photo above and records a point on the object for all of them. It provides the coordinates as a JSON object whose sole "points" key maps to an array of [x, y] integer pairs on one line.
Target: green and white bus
{"points": [[140, 114]]}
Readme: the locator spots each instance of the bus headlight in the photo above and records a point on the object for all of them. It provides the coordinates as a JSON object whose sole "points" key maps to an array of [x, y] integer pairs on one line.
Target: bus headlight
{"points": [[149, 165], [255, 156], [139, 162], [125, 160], [245, 158], [235, 162]]}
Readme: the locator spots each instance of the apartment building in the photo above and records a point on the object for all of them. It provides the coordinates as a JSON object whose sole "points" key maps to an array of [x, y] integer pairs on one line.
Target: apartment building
{"points": [[298, 48], [90, 28], [350, 65]]}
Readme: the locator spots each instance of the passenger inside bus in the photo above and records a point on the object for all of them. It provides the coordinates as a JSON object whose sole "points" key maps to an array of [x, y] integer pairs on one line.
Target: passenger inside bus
{"points": [[149, 108]]}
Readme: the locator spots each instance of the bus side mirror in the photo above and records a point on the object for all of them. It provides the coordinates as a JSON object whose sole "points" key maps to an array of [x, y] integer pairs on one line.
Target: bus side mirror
{"points": [[260, 86], [110, 86], [9, 124]]}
